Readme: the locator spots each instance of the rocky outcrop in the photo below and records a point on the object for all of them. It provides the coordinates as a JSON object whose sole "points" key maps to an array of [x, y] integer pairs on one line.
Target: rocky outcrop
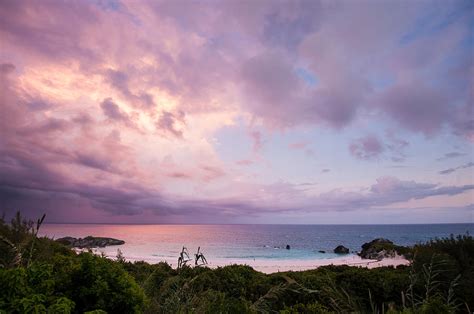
{"points": [[381, 248], [89, 242], [341, 249]]}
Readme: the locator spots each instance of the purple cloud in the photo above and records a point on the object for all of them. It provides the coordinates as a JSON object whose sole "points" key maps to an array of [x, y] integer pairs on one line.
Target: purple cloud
{"points": [[366, 148], [93, 162], [447, 171], [450, 155], [417, 108], [396, 146], [269, 82], [463, 123], [386, 191], [371, 147], [112, 111], [47, 126], [274, 86], [168, 121], [120, 81], [29, 28], [291, 22], [451, 170], [6, 68]]}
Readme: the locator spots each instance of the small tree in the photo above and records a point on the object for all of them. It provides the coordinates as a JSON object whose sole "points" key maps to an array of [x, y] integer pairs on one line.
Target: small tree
{"points": [[183, 258], [199, 258]]}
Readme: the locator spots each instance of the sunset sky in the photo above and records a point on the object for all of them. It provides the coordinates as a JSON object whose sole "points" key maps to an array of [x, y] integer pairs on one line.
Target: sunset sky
{"points": [[237, 111]]}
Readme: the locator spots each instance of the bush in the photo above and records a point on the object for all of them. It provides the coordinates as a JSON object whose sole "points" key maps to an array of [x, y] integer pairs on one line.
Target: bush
{"points": [[94, 282], [31, 290]]}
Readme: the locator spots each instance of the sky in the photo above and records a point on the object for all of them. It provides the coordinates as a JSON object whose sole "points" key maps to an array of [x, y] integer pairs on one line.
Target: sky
{"points": [[304, 112]]}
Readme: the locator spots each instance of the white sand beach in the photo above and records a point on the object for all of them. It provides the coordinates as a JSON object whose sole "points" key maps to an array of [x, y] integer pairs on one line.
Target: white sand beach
{"points": [[273, 266], [269, 266]]}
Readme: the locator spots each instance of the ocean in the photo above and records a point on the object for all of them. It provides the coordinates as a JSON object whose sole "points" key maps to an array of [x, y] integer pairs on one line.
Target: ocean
{"points": [[227, 244]]}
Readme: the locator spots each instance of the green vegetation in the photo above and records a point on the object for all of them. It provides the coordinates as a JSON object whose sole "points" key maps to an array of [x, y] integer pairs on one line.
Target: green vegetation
{"points": [[38, 275]]}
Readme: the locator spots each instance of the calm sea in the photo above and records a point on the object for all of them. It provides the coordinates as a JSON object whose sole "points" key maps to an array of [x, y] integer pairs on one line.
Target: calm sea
{"points": [[225, 243]]}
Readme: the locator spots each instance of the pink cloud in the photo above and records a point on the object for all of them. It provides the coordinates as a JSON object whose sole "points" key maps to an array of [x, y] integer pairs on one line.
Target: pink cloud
{"points": [[257, 141], [180, 175], [244, 162], [211, 173], [298, 145]]}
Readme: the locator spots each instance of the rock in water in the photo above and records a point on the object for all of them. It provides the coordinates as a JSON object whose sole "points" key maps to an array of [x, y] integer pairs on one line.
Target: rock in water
{"points": [[341, 249], [287, 246], [89, 242], [379, 249]]}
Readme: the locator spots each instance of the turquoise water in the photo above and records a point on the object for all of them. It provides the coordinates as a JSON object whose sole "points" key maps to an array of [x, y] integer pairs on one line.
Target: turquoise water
{"points": [[154, 243]]}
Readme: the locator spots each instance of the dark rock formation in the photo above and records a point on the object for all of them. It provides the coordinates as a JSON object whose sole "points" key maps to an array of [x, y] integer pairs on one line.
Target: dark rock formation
{"points": [[341, 249], [89, 242], [287, 246], [321, 251], [381, 248]]}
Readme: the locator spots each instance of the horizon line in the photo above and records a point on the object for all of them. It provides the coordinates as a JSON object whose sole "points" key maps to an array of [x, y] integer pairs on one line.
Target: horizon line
{"points": [[259, 224]]}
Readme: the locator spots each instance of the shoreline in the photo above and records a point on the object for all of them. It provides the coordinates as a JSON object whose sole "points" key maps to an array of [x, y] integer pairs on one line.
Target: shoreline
{"points": [[353, 261], [277, 265]]}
